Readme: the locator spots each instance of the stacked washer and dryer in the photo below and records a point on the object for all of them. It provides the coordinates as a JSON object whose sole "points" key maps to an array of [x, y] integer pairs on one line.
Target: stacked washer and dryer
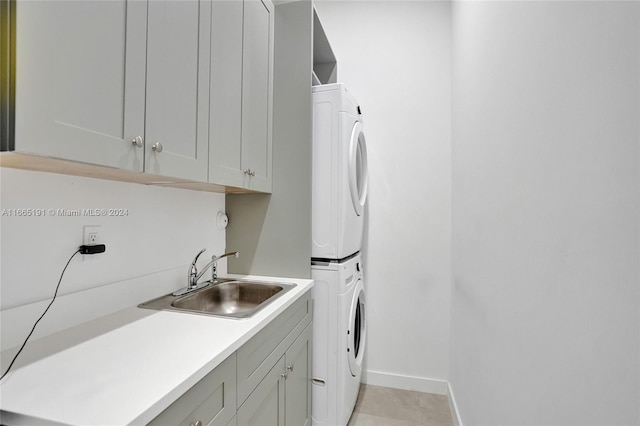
{"points": [[338, 206]]}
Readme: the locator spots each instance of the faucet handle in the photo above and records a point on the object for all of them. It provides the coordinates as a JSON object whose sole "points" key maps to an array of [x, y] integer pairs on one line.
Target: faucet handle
{"points": [[192, 273], [198, 255], [193, 269]]}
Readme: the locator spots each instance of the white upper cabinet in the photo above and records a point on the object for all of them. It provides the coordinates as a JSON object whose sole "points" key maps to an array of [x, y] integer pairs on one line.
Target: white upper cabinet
{"points": [[257, 93], [173, 88], [225, 151], [93, 76], [177, 107], [80, 80], [241, 94]]}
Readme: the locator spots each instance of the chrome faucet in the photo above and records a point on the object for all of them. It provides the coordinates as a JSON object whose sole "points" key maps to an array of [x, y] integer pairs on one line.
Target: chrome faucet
{"points": [[193, 276]]}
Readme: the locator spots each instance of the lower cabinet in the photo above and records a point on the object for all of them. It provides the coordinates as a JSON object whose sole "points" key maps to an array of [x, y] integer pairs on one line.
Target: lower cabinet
{"points": [[267, 381], [211, 401], [297, 392], [265, 406], [284, 395]]}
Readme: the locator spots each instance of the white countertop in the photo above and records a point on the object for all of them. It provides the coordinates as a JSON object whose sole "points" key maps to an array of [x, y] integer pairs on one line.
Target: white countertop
{"points": [[126, 368]]}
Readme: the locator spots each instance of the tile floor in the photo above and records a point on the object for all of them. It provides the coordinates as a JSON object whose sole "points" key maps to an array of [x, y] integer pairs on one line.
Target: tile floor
{"points": [[380, 406]]}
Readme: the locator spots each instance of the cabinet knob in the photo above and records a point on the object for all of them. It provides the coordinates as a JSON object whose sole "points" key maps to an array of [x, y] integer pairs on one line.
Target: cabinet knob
{"points": [[196, 423], [157, 147], [138, 141], [290, 368], [284, 376], [249, 172]]}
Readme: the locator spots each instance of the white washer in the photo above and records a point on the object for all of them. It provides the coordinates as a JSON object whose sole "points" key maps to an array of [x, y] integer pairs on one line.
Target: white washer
{"points": [[339, 182], [339, 337]]}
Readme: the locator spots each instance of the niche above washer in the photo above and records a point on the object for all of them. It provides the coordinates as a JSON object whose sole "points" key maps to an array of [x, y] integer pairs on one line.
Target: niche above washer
{"points": [[325, 66]]}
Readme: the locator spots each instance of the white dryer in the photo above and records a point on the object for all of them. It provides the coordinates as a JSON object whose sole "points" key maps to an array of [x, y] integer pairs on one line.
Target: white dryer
{"points": [[339, 337], [339, 176]]}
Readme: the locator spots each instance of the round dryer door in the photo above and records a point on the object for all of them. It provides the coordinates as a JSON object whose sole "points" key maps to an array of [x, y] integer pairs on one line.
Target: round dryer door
{"points": [[356, 333], [358, 173]]}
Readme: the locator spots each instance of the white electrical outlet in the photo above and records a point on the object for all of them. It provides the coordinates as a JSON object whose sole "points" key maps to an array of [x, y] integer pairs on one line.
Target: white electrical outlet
{"points": [[91, 235]]}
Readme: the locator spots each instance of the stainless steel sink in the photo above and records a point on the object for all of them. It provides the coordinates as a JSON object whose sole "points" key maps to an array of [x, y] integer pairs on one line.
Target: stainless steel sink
{"points": [[227, 298]]}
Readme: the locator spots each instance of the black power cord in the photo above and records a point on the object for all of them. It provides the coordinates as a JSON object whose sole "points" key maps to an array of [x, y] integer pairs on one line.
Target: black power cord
{"points": [[100, 248]]}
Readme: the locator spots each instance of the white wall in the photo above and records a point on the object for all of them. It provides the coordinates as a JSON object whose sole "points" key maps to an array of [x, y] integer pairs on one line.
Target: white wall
{"points": [[546, 212], [147, 254], [394, 57]]}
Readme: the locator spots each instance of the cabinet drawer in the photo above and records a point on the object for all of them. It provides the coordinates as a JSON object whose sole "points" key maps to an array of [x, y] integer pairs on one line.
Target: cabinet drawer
{"points": [[212, 400], [262, 351]]}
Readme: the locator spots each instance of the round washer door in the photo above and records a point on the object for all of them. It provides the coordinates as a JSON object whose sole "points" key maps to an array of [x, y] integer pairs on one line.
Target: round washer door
{"points": [[356, 331], [358, 172]]}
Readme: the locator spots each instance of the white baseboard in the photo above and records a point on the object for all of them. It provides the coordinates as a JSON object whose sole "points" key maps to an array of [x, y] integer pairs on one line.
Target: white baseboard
{"points": [[398, 381], [455, 414]]}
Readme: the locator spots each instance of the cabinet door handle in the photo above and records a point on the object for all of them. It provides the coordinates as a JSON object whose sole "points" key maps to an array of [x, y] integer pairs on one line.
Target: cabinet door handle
{"points": [[138, 141], [290, 368], [284, 376], [196, 423], [249, 172], [157, 147]]}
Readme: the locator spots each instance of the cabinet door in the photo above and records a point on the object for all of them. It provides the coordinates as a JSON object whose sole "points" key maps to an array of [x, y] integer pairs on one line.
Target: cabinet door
{"points": [[225, 150], [298, 382], [265, 406], [80, 79], [210, 402], [257, 93], [177, 103], [256, 356]]}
